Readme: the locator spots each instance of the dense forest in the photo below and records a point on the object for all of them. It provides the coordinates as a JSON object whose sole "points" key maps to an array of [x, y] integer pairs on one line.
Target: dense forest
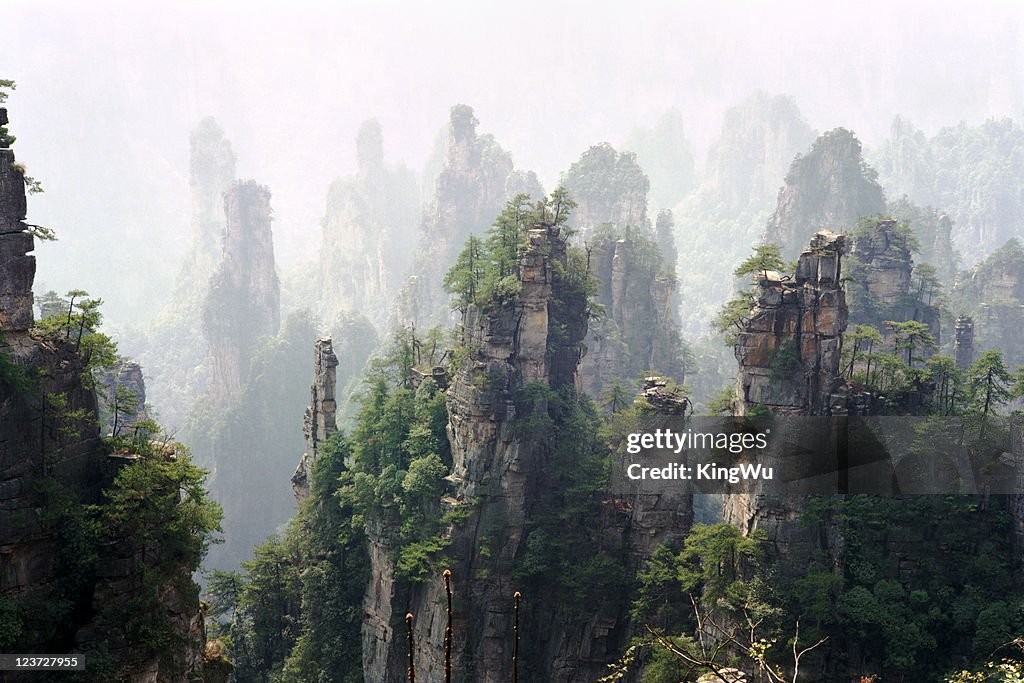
{"points": [[400, 457]]}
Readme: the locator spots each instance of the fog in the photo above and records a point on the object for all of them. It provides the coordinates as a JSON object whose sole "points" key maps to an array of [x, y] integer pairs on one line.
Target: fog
{"points": [[108, 92]]}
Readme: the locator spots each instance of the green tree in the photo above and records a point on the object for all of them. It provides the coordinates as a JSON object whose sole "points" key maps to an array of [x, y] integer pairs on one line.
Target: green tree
{"points": [[6, 85], [732, 317], [948, 379], [911, 335], [766, 257], [616, 397], [861, 338], [560, 204], [80, 327], [926, 282], [465, 278], [123, 405], [989, 384]]}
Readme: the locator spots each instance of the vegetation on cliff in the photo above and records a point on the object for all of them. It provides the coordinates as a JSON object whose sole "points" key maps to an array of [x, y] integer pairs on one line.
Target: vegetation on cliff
{"points": [[130, 528]]}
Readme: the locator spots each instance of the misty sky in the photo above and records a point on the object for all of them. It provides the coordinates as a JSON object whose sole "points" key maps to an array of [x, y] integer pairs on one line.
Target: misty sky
{"points": [[107, 94]]}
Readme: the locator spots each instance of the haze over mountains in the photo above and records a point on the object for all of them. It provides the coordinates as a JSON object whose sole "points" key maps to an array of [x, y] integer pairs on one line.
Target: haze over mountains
{"points": [[291, 85]]}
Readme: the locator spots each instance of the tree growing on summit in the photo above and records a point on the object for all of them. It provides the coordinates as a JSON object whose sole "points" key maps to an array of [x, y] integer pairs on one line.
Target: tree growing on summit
{"points": [[766, 257], [96, 349], [486, 271], [6, 139], [733, 315], [561, 205]]}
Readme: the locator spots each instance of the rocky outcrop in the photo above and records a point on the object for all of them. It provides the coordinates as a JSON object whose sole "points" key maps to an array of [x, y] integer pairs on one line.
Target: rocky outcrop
{"points": [[933, 229], [887, 262], [635, 266], [640, 331], [17, 265], [664, 517], [609, 188], [789, 348], [243, 304], [964, 344], [829, 188], [717, 224], [470, 192], [521, 352], [789, 356], [992, 294], [883, 286], [174, 351], [369, 234], [320, 420], [667, 157], [123, 389], [211, 169], [32, 448], [757, 143]]}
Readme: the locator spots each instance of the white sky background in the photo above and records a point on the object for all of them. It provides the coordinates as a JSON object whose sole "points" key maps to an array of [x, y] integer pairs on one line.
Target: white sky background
{"points": [[108, 92]]}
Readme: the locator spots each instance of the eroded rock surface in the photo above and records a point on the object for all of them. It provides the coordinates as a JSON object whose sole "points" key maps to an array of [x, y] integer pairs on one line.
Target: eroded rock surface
{"points": [[369, 234], [829, 188], [789, 349], [500, 476], [470, 191], [244, 301], [320, 420]]}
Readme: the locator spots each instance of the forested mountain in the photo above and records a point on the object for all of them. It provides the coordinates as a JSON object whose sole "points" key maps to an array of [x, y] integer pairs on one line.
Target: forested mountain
{"points": [[970, 171], [730, 401]]}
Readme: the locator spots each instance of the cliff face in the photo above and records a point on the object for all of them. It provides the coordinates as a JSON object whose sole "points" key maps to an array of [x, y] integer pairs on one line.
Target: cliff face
{"points": [[667, 156], [609, 188], [757, 143], [320, 420], [884, 286], [934, 230], [635, 265], [470, 191], [510, 347], [522, 353], [718, 222], [174, 351], [992, 293], [368, 234], [789, 355], [829, 188], [789, 349], [17, 265], [124, 376], [243, 304], [640, 333], [964, 344], [211, 173], [31, 445]]}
